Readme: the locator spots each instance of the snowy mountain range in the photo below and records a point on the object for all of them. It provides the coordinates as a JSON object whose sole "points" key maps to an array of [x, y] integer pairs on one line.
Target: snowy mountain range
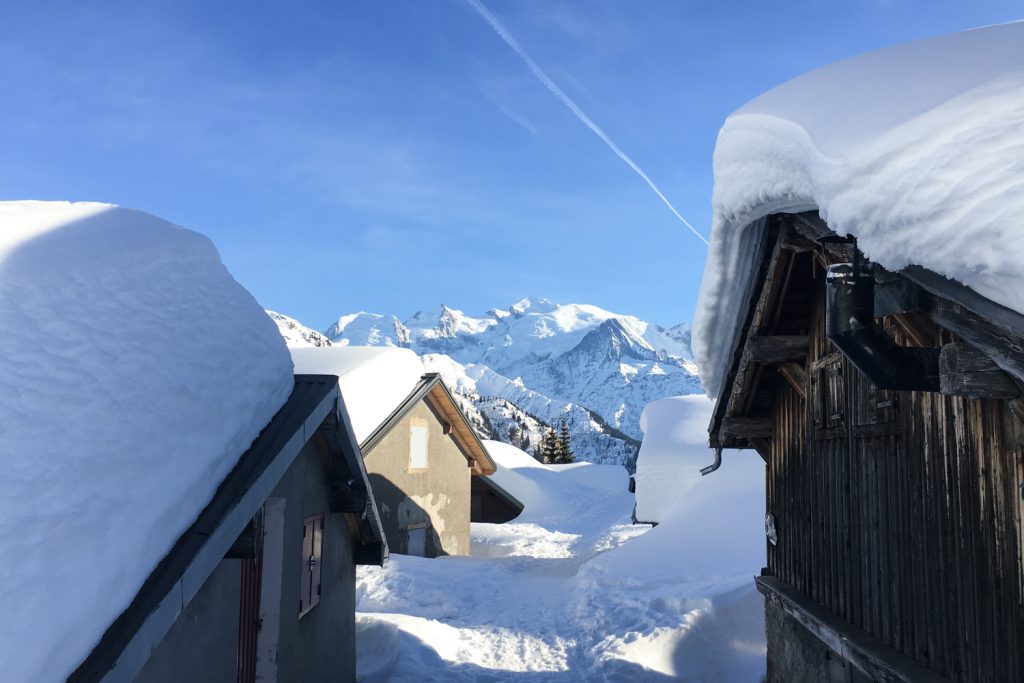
{"points": [[520, 369]]}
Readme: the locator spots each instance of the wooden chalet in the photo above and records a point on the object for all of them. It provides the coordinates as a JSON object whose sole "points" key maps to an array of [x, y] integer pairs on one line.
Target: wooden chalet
{"points": [[887, 407]]}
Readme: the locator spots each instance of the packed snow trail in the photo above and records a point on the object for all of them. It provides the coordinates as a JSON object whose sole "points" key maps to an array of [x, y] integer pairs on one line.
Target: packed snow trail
{"points": [[569, 591]]}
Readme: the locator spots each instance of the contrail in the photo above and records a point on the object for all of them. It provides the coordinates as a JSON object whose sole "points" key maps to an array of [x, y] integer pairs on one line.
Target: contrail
{"points": [[500, 29]]}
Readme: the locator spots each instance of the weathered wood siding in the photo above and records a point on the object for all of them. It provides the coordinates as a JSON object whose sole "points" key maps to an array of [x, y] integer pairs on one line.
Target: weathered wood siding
{"points": [[901, 511]]}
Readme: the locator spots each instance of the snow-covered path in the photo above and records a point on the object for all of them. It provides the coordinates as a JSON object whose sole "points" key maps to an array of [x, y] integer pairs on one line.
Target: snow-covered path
{"points": [[558, 594]]}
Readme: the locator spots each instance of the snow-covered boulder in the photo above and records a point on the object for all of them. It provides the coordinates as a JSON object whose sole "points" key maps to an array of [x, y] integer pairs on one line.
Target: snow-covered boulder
{"points": [[917, 150], [134, 371], [672, 453], [374, 380]]}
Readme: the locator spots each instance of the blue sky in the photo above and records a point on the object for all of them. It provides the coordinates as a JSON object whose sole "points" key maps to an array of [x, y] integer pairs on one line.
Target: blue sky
{"points": [[393, 155]]}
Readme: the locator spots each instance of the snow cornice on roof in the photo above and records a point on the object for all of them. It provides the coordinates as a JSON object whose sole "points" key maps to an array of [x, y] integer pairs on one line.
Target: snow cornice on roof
{"points": [[917, 150]]}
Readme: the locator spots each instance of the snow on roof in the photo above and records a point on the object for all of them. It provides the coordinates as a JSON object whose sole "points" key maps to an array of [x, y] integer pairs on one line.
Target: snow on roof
{"points": [[672, 453], [916, 149], [374, 380], [134, 371]]}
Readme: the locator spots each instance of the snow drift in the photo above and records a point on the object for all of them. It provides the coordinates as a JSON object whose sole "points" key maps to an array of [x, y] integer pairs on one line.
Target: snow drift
{"points": [[916, 149], [117, 420]]}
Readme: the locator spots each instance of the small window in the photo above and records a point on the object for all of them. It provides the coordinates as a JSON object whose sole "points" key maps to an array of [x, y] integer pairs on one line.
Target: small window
{"points": [[418, 447], [312, 556]]}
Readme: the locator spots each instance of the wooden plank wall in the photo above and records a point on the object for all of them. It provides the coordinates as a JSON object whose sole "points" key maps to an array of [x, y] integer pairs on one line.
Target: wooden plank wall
{"points": [[901, 513]]}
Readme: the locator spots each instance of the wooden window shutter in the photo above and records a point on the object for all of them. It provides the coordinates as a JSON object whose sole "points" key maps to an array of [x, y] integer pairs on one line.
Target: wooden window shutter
{"points": [[312, 558]]}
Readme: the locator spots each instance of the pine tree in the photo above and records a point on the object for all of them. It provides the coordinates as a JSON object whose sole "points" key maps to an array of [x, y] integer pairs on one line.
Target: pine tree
{"points": [[549, 446], [566, 455]]}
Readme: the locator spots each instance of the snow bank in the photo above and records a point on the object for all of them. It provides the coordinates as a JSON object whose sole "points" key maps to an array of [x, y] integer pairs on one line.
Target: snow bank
{"points": [[508, 460], [134, 371], [533, 483], [674, 449], [558, 505], [916, 149], [374, 380], [694, 571], [571, 591], [715, 530]]}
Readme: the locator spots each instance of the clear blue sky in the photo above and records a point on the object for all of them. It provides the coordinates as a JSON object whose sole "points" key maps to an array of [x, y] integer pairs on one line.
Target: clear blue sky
{"points": [[393, 155]]}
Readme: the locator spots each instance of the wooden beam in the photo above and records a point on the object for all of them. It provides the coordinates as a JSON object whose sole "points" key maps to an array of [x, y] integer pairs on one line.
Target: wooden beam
{"points": [[878, 661], [965, 371], [919, 330], [769, 350], [762, 447], [748, 372], [344, 498], [1001, 344], [794, 373], [796, 242], [748, 427]]}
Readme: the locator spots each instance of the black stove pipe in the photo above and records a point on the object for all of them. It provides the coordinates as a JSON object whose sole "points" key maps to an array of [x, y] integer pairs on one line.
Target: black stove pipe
{"points": [[850, 325]]}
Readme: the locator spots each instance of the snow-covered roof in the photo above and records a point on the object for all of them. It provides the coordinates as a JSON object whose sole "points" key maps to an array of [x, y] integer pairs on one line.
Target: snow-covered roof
{"points": [[916, 149], [134, 371], [374, 380]]}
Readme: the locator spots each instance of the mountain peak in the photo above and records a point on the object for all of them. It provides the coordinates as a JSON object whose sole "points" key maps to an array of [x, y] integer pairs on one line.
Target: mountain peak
{"points": [[535, 304]]}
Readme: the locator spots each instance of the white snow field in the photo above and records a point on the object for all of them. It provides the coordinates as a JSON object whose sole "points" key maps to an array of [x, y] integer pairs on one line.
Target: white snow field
{"points": [[572, 591], [916, 149], [134, 371]]}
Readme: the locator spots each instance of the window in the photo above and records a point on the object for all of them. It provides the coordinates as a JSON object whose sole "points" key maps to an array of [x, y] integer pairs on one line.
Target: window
{"points": [[418, 447], [312, 554]]}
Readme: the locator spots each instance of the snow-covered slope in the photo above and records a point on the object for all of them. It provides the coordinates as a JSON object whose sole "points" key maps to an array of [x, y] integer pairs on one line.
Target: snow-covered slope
{"points": [[368, 329], [117, 420], [536, 362], [510, 412], [916, 149], [297, 334]]}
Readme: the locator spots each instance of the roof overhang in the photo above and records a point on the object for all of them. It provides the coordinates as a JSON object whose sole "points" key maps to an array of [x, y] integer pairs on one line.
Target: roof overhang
{"points": [[991, 328]]}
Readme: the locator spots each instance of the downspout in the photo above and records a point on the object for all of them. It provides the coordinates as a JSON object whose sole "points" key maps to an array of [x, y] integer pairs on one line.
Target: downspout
{"points": [[713, 466], [850, 325]]}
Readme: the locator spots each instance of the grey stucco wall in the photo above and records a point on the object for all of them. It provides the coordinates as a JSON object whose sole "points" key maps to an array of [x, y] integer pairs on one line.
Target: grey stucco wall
{"points": [[201, 647], [202, 644], [438, 495], [321, 645]]}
